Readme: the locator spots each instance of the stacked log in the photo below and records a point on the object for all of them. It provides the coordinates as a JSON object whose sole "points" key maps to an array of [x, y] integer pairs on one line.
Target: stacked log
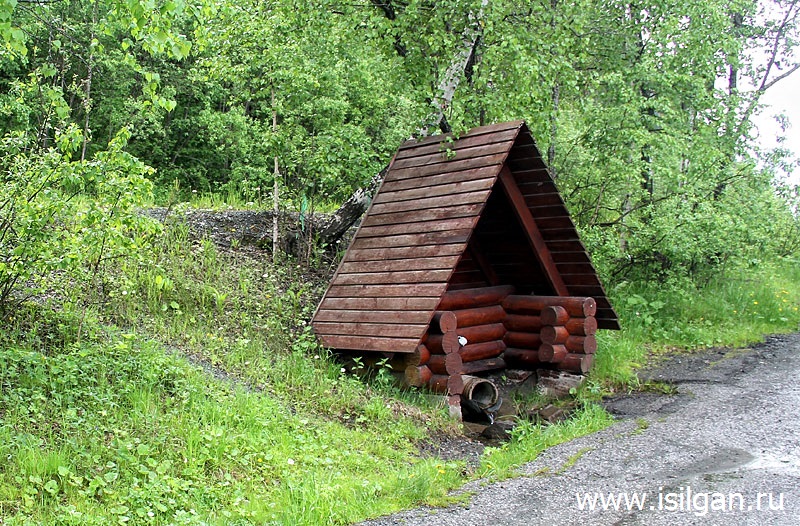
{"points": [[550, 331], [465, 337]]}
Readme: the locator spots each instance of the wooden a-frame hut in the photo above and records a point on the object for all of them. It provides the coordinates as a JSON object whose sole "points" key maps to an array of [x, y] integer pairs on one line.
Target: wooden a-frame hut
{"points": [[467, 261]]}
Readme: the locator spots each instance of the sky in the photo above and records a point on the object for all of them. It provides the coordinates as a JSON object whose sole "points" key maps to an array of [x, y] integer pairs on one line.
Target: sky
{"points": [[783, 97]]}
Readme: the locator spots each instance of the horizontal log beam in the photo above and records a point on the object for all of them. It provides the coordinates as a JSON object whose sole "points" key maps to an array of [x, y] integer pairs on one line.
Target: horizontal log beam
{"points": [[575, 306], [418, 376], [523, 322], [582, 326], [420, 356], [523, 340], [554, 334], [554, 315], [442, 343], [522, 358], [482, 351], [577, 363], [446, 363], [479, 316], [483, 333], [442, 383], [552, 353], [477, 297], [581, 344], [479, 366]]}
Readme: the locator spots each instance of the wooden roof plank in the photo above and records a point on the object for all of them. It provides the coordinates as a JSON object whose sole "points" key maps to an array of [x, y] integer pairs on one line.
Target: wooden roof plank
{"points": [[442, 225], [457, 145], [371, 343], [375, 316], [431, 202], [442, 168], [372, 329], [430, 214], [385, 304], [390, 265], [413, 240], [385, 291], [459, 187], [390, 278], [380, 254], [441, 179], [452, 155], [483, 130]]}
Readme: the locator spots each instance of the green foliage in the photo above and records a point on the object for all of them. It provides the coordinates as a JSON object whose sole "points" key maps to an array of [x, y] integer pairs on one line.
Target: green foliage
{"points": [[651, 150], [731, 309], [46, 228], [115, 431]]}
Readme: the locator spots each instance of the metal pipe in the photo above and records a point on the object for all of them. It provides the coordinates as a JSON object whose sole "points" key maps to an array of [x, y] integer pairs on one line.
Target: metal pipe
{"points": [[480, 391]]}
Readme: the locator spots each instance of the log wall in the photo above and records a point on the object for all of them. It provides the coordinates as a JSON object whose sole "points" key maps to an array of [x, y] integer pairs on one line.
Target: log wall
{"points": [[489, 328]]}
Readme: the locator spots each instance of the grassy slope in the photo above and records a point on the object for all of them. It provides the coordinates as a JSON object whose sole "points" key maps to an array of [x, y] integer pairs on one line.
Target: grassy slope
{"points": [[118, 427]]}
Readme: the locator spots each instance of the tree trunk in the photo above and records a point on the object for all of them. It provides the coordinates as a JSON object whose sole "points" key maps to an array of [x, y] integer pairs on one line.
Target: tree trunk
{"points": [[355, 206], [275, 187]]}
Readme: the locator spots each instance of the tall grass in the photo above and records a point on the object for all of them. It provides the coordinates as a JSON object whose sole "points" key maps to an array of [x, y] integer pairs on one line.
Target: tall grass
{"points": [[735, 308]]}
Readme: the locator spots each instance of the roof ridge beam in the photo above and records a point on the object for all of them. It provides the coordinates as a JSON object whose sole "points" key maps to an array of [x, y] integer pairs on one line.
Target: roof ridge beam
{"points": [[528, 223]]}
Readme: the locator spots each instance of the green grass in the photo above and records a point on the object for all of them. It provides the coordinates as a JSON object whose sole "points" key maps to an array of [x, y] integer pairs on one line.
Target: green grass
{"points": [[530, 439], [185, 387], [736, 308], [114, 430]]}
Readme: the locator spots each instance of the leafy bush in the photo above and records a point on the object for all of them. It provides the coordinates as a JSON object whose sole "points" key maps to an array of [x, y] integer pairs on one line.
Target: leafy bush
{"points": [[64, 215]]}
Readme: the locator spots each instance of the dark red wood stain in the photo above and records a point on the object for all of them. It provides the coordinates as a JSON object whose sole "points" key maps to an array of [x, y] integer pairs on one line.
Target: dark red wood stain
{"points": [[455, 214]]}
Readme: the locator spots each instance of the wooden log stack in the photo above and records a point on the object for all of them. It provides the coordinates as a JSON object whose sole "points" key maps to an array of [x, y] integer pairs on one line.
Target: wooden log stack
{"points": [[464, 337], [551, 332], [480, 330]]}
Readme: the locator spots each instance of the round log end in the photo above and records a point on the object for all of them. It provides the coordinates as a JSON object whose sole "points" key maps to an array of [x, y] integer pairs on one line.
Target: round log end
{"points": [[552, 353], [554, 315], [447, 321], [589, 307], [450, 342]]}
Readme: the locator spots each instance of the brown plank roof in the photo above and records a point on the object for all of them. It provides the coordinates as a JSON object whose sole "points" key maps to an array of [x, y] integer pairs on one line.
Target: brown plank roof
{"points": [[420, 224]]}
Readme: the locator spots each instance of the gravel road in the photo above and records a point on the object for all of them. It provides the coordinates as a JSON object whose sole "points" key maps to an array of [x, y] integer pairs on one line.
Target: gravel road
{"points": [[712, 454]]}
